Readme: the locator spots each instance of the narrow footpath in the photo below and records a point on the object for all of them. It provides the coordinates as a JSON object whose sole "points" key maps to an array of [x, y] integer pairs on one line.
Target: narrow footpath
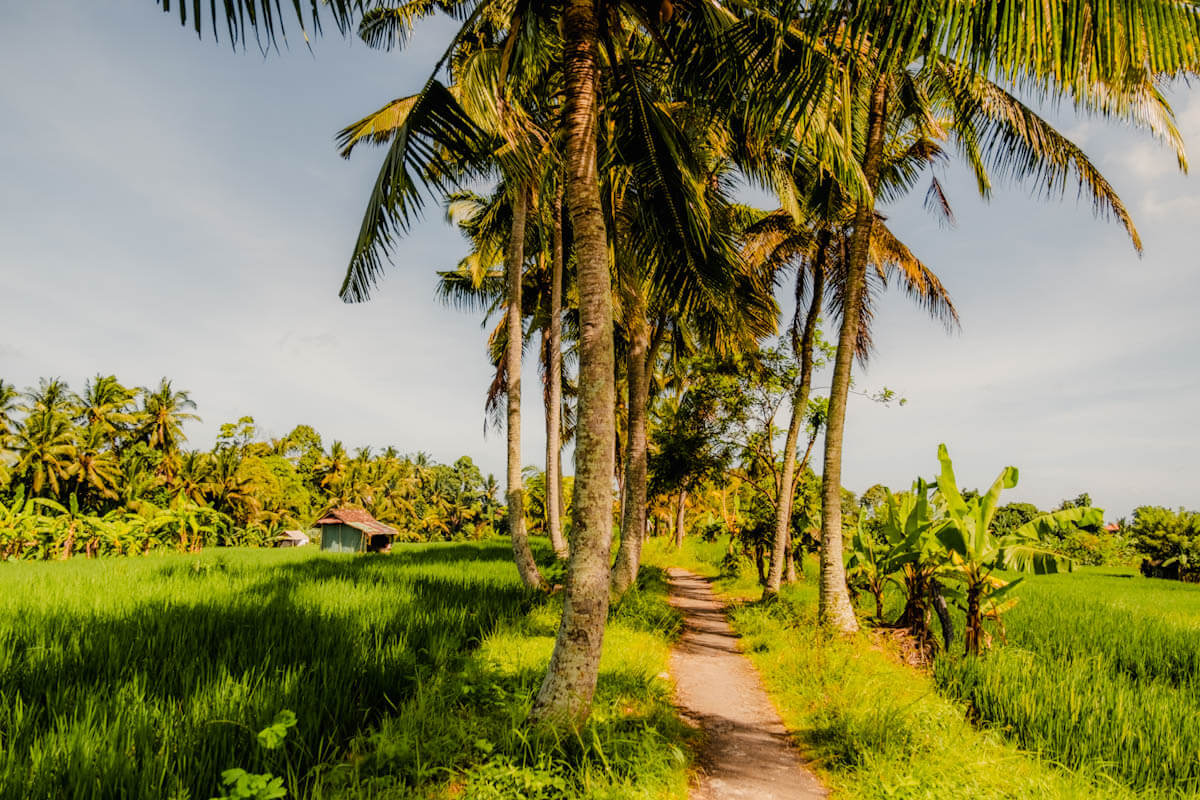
{"points": [[746, 751]]}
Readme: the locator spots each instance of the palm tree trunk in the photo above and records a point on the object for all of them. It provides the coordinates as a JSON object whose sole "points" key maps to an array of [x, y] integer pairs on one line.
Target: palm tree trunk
{"points": [[633, 513], [835, 609], [515, 494], [789, 572], [570, 682], [562, 501], [783, 506], [680, 509], [554, 397]]}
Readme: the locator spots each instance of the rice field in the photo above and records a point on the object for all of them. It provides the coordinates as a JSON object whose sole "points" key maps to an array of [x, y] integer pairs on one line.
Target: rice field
{"points": [[409, 675], [1101, 673]]}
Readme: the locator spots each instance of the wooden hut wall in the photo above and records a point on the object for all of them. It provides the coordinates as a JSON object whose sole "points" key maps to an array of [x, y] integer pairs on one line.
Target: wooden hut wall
{"points": [[341, 539]]}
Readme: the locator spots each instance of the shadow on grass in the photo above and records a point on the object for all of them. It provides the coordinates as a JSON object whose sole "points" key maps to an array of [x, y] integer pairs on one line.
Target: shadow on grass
{"points": [[165, 696], [481, 746]]}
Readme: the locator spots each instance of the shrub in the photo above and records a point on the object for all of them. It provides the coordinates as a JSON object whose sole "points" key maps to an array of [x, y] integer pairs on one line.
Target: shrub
{"points": [[1168, 539]]}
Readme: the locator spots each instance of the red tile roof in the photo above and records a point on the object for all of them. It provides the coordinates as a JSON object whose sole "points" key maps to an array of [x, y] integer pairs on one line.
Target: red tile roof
{"points": [[357, 518]]}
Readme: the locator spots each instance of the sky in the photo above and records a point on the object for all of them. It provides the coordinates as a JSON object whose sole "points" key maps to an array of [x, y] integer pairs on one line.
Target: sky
{"points": [[169, 207]]}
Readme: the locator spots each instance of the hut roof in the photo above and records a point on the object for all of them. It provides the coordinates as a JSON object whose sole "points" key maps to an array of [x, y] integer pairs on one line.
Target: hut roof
{"points": [[357, 518], [295, 536]]}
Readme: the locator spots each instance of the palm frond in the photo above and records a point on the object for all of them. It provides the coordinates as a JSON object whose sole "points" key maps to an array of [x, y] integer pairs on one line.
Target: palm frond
{"points": [[892, 259], [1021, 145], [266, 19], [435, 148], [385, 27]]}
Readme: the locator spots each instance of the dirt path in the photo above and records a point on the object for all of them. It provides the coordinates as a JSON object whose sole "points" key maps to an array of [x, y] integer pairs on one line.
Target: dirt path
{"points": [[746, 752]]}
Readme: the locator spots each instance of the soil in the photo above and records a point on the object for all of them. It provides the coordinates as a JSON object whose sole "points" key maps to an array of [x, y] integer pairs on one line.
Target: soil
{"points": [[746, 751]]}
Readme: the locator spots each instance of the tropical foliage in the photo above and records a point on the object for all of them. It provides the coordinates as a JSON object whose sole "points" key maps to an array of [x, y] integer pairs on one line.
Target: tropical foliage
{"points": [[108, 472], [1170, 540], [938, 542]]}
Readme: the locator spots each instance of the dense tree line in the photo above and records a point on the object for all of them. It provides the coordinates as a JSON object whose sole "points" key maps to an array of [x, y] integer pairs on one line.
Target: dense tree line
{"points": [[108, 470]]}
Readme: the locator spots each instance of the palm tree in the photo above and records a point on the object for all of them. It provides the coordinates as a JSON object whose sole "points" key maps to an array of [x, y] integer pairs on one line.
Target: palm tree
{"points": [[816, 247], [479, 282], [232, 492], [45, 447], [1049, 51], [194, 478], [104, 405], [983, 119], [720, 300], [503, 124], [138, 479], [554, 379], [52, 396], [9, 405], [96, 468], [163, 413], [331, 469]]}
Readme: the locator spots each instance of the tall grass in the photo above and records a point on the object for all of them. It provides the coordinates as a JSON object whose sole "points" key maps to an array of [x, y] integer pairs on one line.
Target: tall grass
{"points": [[145, 677], [1101, 673]]}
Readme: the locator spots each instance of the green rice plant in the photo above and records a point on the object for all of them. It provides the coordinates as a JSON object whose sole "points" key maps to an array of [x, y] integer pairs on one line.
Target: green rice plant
{"points": [[146, 677], [1100, 673]]}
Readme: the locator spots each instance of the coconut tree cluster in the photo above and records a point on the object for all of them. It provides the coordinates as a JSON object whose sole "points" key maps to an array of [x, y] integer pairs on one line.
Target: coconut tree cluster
{"points": [[109, 471], [622, 127]]}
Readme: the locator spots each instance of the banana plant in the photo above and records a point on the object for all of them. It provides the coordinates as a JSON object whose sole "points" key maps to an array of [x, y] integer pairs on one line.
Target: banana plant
{"points": [[876, 560], [975, 552], [193, 525], [126, 533], [910, 525], [866, 567], [16, 525], [68, 525]]}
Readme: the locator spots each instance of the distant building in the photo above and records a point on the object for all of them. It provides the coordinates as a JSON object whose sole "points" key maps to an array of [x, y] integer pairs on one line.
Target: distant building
{"points": [[292, 539], [352, 530]]}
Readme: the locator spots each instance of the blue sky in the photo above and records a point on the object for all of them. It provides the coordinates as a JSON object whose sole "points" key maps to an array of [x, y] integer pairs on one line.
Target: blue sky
{"points": [[168, 207]]}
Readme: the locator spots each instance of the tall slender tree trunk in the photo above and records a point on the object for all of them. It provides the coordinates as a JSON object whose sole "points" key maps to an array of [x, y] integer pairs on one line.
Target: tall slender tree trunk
{"points": [[680, 510], [554, 397], [562, 500], [633, 512], [570, 682], [789, 572], [780, 553], [835, 609], [515, 493]]}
